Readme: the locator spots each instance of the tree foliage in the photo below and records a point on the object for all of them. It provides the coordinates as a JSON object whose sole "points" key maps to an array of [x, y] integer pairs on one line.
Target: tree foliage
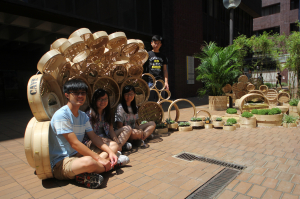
{"points": [[218, 67]]}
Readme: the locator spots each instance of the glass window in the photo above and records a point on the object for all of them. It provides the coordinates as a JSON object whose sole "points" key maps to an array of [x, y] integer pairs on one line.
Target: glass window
{"points": [[294, 4], [269, 10]]}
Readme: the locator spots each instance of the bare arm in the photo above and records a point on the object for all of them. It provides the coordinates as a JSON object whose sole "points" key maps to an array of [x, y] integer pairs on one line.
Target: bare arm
{"points": [[113, 134], [119, 125], [166, 77]]}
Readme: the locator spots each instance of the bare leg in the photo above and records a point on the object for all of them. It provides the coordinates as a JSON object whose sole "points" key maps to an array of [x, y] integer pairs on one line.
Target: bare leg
{"points": [[123, 134], [86, 164], [144, 131]]}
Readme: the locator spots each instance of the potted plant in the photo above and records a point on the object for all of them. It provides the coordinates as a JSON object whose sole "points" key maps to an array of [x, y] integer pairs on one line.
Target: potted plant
{"points": [[247, 120], [171, 124], [228, 126], [233, 121], [231, 111], [293, 107], [218, 122], [196, 122], [185, 126], [268, 117], [161, 128], [207, 123], [218, 67], [289, 121]]}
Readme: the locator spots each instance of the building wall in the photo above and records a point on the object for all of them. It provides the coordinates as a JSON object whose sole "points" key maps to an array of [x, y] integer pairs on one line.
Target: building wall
{"points": [[282, 19]]}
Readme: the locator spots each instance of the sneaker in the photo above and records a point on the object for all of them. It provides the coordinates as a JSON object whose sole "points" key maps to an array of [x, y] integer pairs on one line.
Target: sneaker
{"points": [[122, 160], [90, 180], [127, 146], [118, 153]]}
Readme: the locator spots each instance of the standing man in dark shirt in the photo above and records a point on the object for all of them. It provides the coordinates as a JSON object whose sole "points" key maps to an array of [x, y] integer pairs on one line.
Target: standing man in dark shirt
{"points": [[157, 65], [278, 77]]}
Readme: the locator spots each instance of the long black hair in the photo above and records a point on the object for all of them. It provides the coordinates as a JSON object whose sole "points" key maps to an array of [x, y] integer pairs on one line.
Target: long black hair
{"points": [[127, 89], [93, 105]]}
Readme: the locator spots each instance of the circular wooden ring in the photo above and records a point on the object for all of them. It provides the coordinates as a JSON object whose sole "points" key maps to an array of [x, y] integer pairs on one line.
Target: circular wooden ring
{"points": [[271, 94], [91, 73], [175, 105], [167, 91], [111, 86], [283, 97], [95, 56], [41, 150], [241, 102], [151, 111], [51, 63], [209, 115], [100, 40], [137, 82], [74, 49], [134, 70], [263, 88], [141, 43], [140, 57], [153, 80], [116, 39], [243, 78], [44, 96], [227, 88], [163, 84], [130, 48], [111, 55], [28, 141], [157, 92], [85, 34], [57, 43], [250, 87], [257, 92], [178, 100], [119, 71]]}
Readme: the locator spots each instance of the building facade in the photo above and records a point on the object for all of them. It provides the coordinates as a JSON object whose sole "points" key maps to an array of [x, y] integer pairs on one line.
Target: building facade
{"points": [[278, 16], [28, 27]]}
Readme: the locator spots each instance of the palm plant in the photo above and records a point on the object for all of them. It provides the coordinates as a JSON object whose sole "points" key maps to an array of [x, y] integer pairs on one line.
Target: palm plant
{"points": [[218, 67]]}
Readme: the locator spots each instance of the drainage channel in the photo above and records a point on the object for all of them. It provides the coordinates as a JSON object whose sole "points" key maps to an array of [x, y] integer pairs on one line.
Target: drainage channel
{"points": [[215, 185], [191, 157]]}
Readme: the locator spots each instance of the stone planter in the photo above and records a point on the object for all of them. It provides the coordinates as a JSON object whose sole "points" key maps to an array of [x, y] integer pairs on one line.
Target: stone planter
{"points": [[218, 124], [247, 122], [269, 120], [208, 126], [289, 125], [185, 128], [161, 131], [196, 123], [173, 126], [229, 128]]}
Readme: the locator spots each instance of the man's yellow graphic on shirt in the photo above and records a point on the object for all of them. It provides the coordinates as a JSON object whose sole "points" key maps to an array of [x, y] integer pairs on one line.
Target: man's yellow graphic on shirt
{"points": [[156, 67], [156, 61]]}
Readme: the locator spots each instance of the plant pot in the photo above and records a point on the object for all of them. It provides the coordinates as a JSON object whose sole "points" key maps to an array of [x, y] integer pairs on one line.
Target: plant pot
{"points": [[247, 122], [227, 116], [217, 103], [173, 126], [283, 109], [229, 128], [293, 111], [161, 131], [185, 128], [196, 123], [269, 120], [208, 126], [236, 125], [218, 124], [289, 125]]}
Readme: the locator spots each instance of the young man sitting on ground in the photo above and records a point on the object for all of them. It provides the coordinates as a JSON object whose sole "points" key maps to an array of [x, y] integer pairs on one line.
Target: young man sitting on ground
{"points": [[69, 157]]}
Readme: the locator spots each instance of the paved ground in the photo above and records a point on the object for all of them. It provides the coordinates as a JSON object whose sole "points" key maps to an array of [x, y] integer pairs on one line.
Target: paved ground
{"points": [[271, 155]]}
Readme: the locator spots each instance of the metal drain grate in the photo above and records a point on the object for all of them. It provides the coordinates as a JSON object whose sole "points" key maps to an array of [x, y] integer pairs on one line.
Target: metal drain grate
{"points": [[191, 157], [215, 185]]}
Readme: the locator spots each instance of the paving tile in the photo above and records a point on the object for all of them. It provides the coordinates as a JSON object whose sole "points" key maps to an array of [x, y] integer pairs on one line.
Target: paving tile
{"points": [[127, 192], [280, 160], [240, 196], [191, 185], [243, 176], [159, 188], [149, 185], [289, 196], [294, 170], [170, 192], [272, 194], [256, 179], [271, 173], [285, 186], [296, 179], [285, 176], [96, 194], [256, 191], [242, 187], [296, 189], [270, 182], [259, 170], [227, 195], [232, 184]]}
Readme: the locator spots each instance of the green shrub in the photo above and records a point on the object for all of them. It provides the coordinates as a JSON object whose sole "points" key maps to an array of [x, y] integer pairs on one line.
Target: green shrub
{"points": [[263, 112], [231, 111], [193, 119], [170, 121], [284, 84], [218, 119], [232, 120], [228, 123], [247, 114], [161, 126], [199, 119], [144, 122], [294, 102], [184, 124], [254, 111], [289, 119], [269, 85], [276, 110]]}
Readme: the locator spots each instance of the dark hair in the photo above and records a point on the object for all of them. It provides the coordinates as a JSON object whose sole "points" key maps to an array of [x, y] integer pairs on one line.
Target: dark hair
{"points": [[157, 38], [93, 105], [127, 89], [75, 85]]}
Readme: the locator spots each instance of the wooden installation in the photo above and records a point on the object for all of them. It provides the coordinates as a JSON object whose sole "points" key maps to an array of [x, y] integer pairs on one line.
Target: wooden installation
{"points": [[178, 100], [269, 120], [217, 103], [247, 122], [247, 107], [229, 128], [185, 128], [218, 124], [151, 111], [175, 106], [283, 97], [289, 125]]}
